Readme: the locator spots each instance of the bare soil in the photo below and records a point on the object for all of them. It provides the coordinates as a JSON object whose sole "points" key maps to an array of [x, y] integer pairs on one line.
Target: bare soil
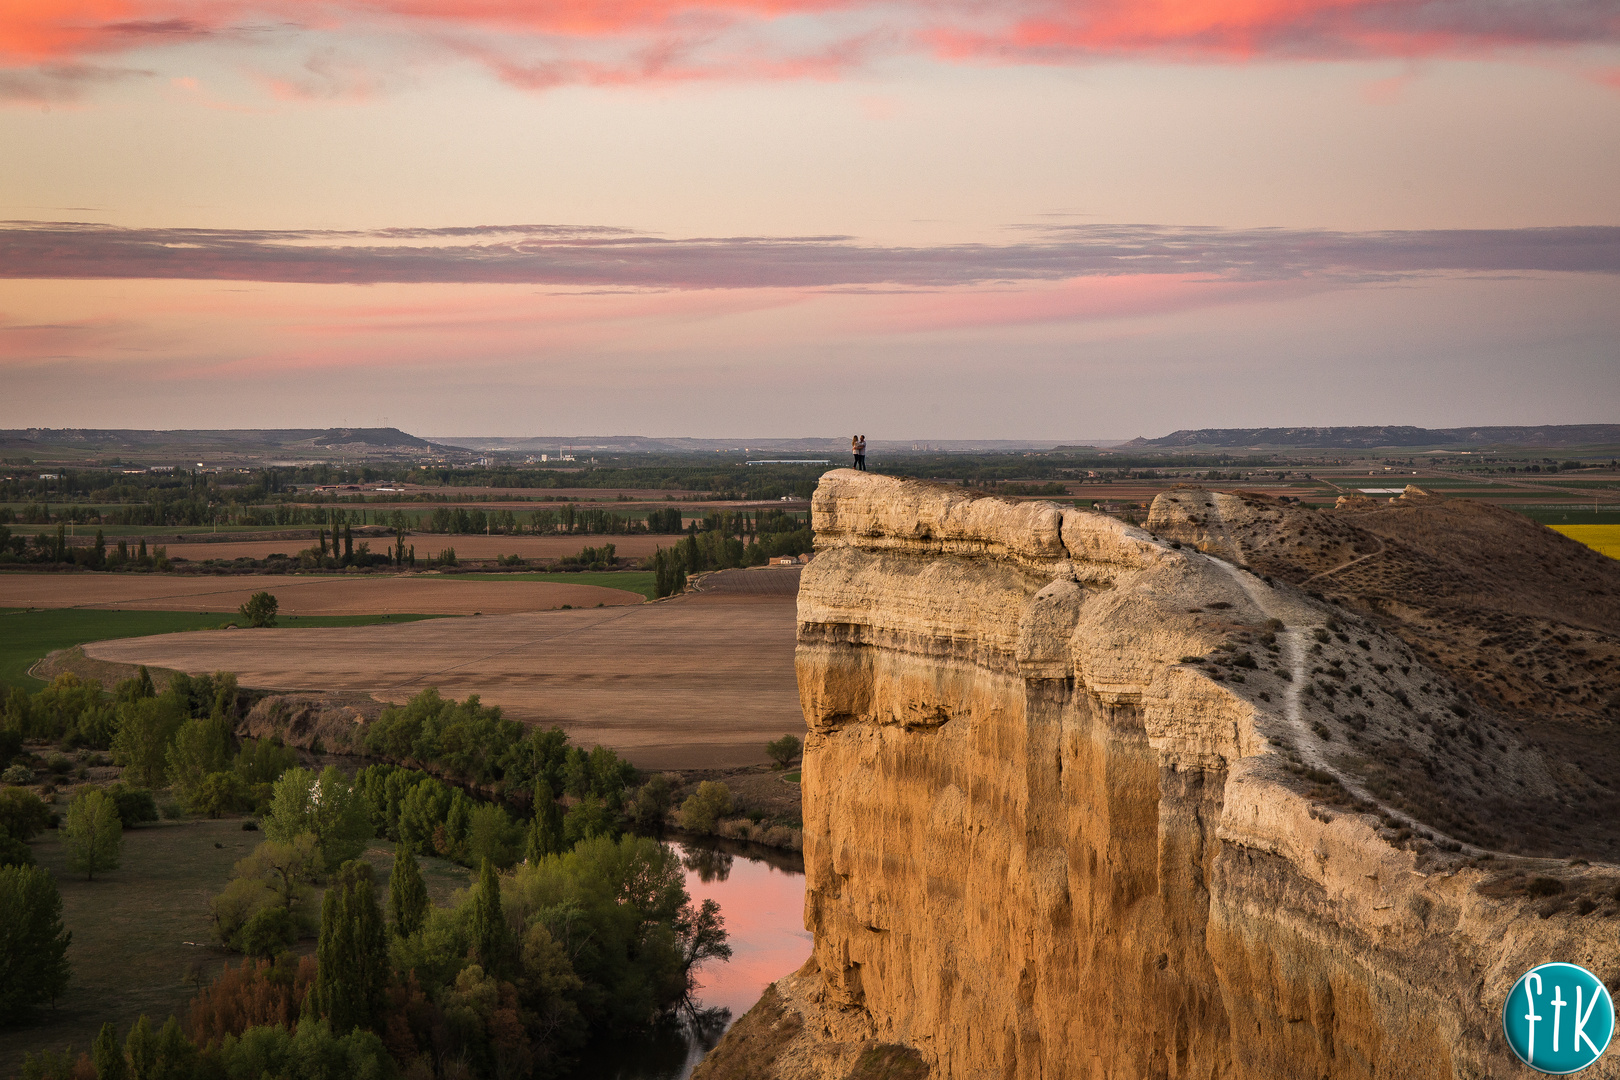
{"points": [[703, 681], [426, 594]]}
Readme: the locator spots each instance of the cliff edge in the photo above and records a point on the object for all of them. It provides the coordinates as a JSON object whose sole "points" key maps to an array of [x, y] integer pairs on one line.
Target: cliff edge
{"points": [[1086, 801]]}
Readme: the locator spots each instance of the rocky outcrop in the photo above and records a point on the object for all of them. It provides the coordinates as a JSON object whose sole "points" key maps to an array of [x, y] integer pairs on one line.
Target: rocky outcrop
{"points": [[329, 723], [1085, 802]]}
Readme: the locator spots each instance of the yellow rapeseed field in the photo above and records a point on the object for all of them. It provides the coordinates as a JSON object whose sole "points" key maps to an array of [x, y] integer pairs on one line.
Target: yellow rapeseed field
{"points": [[1603, 538]]}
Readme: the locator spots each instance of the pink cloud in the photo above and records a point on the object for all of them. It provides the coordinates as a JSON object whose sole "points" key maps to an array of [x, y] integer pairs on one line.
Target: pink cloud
{"points": [[543, 45]]}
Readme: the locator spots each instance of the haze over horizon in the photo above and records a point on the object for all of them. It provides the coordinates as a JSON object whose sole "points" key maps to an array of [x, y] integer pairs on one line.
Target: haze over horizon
{"points": [[920, 221]]}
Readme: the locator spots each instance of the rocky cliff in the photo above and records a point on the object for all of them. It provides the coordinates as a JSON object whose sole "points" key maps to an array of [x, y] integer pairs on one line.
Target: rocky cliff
{"points": [[1083, 801]]}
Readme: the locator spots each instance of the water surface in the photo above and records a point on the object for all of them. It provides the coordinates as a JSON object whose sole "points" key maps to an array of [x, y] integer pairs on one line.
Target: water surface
{"points": [[761, 898]]}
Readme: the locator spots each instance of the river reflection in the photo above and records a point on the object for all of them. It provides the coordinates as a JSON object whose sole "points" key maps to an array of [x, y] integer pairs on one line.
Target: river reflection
{"points": [[761, 896]]}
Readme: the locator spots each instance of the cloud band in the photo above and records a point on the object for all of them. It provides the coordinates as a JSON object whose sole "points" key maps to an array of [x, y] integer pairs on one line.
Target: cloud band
{"points": [[613, 258]]}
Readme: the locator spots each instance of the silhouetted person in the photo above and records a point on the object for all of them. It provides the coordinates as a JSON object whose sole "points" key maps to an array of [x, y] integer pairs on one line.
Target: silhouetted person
{"points": [[860, 452]]}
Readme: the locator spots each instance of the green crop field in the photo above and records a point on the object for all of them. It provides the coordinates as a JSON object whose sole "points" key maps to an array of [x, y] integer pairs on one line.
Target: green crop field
{"points": [[1568, 515], [636, 581], [27, 636]]}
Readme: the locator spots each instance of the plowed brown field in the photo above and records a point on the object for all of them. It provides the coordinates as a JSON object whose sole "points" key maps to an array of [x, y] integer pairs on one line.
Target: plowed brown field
{"points": [[300, 595], [703, 681]]}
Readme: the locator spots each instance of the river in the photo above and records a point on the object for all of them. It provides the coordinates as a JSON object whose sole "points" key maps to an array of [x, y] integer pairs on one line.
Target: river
{"points": [[761, 897]]}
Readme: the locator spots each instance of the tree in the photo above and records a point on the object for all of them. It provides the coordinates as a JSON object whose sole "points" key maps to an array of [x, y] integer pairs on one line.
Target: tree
{"points": [[268, 933], [701, 935], [107, 1055], [782, 751], [33, 942], [146, 727], [200, 747], [351, 981], [407, 893], [491, 940], [329, 807], [704, 808], [589, 817], [93, 835], [669, 576], [545, 836], [135, 687], [23, 815], [259, 610], [492, 835], [652, 802], [166, 1055], [275, 875]]}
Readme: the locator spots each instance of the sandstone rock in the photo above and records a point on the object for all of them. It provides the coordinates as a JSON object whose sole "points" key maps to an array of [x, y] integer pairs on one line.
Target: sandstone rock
{"points": [[1084, 802]]}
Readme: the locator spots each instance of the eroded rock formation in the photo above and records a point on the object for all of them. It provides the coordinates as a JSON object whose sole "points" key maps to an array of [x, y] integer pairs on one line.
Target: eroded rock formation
{"points": [[1085, 802]]}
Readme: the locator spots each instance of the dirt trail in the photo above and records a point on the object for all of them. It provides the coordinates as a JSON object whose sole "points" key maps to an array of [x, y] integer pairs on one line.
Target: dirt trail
{"points": [[1382, 547], [1297, 617]]}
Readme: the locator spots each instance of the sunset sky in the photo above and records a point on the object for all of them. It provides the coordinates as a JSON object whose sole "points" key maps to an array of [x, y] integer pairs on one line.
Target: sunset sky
{"points": [[1022, 219]]}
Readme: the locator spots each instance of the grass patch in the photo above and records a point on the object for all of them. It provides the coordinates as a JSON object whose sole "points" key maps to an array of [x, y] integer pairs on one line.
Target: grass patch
{"points": [[27, 636], [1604, 539], [636, 581], [792, 777], [130, 927]]}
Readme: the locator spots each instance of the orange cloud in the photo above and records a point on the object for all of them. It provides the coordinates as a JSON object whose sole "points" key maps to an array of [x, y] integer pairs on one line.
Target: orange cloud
{"points": [[539, 45]]}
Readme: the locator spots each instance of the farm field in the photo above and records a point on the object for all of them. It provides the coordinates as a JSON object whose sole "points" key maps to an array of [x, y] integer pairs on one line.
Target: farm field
{"points": [[641, 581], [141, 933], [27, 636], [429, 544], [1604, 539], [303, 596], [701, 681]]}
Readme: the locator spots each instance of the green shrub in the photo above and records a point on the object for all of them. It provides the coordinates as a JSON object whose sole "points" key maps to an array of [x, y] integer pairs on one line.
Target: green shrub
{"points": [[704, 808]]}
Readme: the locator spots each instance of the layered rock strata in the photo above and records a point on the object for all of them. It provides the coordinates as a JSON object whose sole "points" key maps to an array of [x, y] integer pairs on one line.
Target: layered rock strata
{"points": [[1075, 807]]}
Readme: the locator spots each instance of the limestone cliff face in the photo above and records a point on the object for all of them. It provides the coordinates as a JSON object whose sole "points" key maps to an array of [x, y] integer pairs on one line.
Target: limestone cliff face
{"points": [[1070, 811]]}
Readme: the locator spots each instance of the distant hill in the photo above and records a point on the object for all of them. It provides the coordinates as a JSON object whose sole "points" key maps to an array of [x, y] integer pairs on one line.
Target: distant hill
{"points": [[837, 446], [1368, 438], [184, 443]]}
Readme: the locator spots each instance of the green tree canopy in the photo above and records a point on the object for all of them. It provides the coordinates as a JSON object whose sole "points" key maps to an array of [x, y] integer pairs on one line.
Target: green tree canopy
{"points": [[200, 747], [407, 892], [259, 610], [33, 942], [782, 751], [704, 808], [146, 728], [92, 834], [327, 806], [351, 982], [492, 940]]}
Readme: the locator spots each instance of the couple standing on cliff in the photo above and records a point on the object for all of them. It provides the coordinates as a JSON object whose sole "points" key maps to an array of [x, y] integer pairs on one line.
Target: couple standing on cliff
{"points": [[857, 448]]}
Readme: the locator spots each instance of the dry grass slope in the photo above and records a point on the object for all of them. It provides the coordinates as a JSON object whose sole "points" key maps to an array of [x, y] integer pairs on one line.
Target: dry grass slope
{"points": [[1511, 742]]}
